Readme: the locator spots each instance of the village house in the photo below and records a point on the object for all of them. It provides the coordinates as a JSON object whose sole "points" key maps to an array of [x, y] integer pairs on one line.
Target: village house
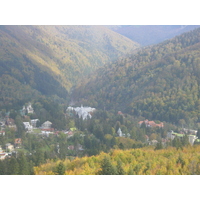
{"points": [[9, 147], [153, 142], [71, 147], [28, 127], [3, 155], [78, 147], [2, 124], [147, 138], [69, 134], [119, 132], [10, 123], [34, 122], [46, 132], [192, 138], [151, 124], [46, 125], [120, 113], [29, 108], [2, 133], [18, 142], [171, 135], [190, 131]]}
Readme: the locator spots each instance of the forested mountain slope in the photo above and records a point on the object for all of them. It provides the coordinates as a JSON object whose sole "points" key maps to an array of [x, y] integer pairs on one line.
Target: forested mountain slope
{"points": [[151, 34], [159, 82], [49, 60]]}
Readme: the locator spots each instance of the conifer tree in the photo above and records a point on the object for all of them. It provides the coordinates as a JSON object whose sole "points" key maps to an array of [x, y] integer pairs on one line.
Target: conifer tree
{"points": [[159, 146], [23, 165], [60, 169], [120, 170], [13, 167], [106, 167]]}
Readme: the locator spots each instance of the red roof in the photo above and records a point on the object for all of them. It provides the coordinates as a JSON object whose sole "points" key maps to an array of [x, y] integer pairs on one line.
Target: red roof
{"points": [[151, 123], [18, 140], [71, 147]]}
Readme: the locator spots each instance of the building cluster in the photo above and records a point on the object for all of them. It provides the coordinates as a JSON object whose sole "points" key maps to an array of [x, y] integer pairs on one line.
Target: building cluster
{"points": [[82, 112], [152, 124], [190, 133], [27, 109], [9, 148]]}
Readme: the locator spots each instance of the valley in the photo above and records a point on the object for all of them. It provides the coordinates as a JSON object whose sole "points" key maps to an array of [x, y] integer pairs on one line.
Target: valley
{"points": [[97, 100]]}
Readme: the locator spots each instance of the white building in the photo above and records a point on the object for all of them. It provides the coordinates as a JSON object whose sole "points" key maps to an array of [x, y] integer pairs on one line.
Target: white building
{"points": [[192, 138], [3, 155], [46, 125], [34, 122], [84, 112], [27, 126], [119, 132], [170, 135], [2, 132], [9, 147], [29, 108]]}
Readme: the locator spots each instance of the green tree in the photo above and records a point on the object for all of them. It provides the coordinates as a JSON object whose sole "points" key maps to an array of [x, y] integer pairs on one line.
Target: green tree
{"points": [[185, 140], [3, 167], [60, 169], [159, 146], [20, 127], [120, 170], [39, 157], [176, 142], [106, 167], [13, 167], [121, 146], [23, 164]]}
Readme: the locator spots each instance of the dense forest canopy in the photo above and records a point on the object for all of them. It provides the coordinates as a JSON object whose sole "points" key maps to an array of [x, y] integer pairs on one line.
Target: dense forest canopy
{"points": [[159, 82], [50, 60]]}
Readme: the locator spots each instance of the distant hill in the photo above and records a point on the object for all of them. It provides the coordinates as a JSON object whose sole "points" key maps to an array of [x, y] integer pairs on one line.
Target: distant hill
{"points": [[159, 82], [51, 59], [151, 34]]}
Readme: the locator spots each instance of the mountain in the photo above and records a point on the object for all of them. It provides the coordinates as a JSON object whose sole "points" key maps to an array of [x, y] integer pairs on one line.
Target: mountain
{"points": [[49, 60], [151, 34], [158, 82]]}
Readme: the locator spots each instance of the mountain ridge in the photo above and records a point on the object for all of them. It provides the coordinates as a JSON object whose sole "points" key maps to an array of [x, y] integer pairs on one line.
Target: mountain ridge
{"points": [[51, 59], [159, 82], [151, 34]]}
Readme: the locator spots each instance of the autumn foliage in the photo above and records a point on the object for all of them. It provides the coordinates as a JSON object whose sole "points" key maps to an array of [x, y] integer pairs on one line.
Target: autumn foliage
{"points": [[145, 161]]}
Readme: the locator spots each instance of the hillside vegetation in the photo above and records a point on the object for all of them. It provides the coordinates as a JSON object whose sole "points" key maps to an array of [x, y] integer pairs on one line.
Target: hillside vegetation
{"points": [[51, 59], [159, 82], [144, 161]]}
